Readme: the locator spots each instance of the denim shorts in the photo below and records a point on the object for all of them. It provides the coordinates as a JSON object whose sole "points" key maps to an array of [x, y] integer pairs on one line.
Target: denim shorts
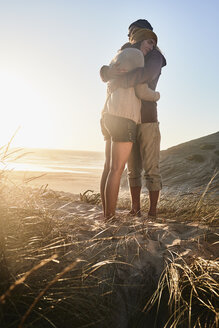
{"points": [[119, 128], [104, 131]]}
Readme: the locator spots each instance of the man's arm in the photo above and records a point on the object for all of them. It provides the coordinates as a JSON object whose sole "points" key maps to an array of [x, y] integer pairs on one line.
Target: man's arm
{"points": [[143, 92], [146, 74]]}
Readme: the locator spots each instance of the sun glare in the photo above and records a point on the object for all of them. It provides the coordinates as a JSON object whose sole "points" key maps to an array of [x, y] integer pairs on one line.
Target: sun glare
{"points": [[22, 106]]}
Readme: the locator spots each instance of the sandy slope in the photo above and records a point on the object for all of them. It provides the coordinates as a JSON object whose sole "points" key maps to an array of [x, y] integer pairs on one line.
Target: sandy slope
{"points": [[192, 164]]}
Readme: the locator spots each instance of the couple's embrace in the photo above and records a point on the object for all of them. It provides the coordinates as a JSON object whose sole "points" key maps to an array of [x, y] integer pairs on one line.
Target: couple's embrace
{"points": [[129, 120]]}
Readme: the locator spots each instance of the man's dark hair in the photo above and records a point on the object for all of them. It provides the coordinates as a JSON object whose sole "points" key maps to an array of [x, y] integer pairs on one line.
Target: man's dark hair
{"points": [[142, 23]]}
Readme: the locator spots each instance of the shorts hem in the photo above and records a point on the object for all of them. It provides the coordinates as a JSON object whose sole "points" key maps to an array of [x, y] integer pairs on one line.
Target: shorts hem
{"points": [[120, 129], [115, 140]]}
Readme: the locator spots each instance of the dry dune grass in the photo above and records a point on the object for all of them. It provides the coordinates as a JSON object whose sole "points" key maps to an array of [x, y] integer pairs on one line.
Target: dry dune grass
{"points": [[32, 233], [62, 266], [66, 267], [192, 289]]}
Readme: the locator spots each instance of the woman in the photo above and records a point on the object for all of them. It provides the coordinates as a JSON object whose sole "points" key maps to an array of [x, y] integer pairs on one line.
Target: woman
{"points": [[121, 115]]}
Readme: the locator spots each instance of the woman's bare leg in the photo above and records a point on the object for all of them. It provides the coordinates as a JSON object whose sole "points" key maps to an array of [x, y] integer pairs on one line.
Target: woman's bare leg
{"points": [[119, 157], [105, 172]]}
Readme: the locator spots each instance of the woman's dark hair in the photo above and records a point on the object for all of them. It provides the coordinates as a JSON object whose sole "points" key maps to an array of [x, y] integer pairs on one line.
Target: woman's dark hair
{"points": [[129, 45]]}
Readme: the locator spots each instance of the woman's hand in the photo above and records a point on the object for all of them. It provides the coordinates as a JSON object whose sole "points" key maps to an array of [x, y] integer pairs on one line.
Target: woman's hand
{"points": [[111, 86], [115, 70]]}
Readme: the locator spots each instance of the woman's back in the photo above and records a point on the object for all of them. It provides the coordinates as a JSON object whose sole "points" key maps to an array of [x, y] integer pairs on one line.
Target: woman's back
{"points": [[123, 102]]}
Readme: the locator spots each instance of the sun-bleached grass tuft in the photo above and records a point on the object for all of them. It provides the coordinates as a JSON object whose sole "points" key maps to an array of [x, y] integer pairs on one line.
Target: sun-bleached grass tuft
{"points": [[89, 196], [191, 288]]}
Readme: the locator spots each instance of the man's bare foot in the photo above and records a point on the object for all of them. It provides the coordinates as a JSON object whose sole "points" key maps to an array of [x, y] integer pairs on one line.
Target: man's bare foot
{"points": [[151, 218], [152, 214], [154, 218], [135, 213], [112, 219]]}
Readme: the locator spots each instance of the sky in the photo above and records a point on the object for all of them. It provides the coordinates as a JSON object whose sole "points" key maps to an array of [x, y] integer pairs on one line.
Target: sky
{"points": [[51, 52]]}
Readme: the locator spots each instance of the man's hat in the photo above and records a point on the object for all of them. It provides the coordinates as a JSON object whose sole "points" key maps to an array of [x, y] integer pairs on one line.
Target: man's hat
{"points": [[142, 23]]}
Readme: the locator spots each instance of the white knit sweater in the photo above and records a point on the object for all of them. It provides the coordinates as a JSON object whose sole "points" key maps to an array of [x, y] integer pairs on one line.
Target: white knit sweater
{"points": [[127, 102]]}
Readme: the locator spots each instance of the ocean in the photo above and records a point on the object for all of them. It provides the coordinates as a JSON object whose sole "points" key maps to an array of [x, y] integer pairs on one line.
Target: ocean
{"points": [[50, 160]]}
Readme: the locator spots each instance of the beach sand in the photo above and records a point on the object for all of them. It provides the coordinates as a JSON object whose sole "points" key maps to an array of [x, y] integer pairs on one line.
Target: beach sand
{"points": [[68, 182]]}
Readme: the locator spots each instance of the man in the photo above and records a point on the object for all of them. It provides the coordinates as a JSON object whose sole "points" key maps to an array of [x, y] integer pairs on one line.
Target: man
{"points": [[145, 152]]}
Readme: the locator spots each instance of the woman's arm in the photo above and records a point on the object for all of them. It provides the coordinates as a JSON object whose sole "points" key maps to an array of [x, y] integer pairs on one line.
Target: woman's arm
{"points": [[111, 72], [104, 73], [146, 74]]}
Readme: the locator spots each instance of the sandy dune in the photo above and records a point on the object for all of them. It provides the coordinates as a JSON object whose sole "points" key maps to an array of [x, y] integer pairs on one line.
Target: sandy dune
{"points": [[140, 248], [192, 165]]}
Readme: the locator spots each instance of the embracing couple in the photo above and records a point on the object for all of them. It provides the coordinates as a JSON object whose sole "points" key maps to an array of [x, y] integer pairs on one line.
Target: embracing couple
{"points": [[129, 120]]}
